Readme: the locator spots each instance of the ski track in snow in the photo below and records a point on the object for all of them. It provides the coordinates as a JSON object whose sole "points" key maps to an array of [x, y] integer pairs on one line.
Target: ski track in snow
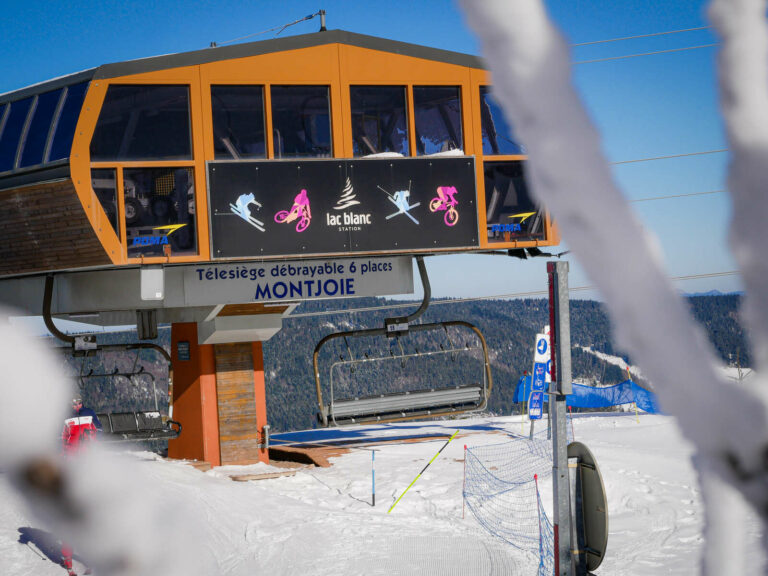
{"points": [[320, 520]]}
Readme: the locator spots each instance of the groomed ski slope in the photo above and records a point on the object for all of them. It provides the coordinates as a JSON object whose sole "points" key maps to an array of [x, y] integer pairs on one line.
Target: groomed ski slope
{"points": [[320, 521]]}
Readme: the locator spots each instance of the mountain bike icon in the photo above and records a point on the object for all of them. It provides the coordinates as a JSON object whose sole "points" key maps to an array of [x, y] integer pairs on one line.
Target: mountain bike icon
{"points": [[446, 202], [300, 210]]}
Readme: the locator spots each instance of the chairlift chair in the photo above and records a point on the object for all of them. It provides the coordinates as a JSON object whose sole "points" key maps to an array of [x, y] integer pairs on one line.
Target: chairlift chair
{"points": [[429, 402], [425, 403], [139, 425], [132, 426]]}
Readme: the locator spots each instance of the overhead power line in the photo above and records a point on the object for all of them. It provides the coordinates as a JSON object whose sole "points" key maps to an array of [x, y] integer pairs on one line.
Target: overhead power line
{"points": [[677, 196], [702, 153], [278, 28], [495, 297], [625, 56], [642, 36]]}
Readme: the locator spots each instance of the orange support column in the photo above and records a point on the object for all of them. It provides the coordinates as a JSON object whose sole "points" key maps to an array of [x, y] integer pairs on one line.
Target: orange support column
{"points": [[219, 398], [194, 397], [260, 395]]}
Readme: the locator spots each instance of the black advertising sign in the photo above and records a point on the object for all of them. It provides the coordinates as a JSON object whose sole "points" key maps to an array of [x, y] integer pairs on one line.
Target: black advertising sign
{"points": [[330, 206]]}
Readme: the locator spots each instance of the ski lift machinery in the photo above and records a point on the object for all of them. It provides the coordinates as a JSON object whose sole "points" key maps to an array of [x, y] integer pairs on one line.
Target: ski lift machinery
{"points": [[411, 405], [120, 426]]}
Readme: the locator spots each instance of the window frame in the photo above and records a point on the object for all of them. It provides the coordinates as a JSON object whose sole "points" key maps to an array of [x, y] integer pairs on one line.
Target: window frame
{"points": [[22, 133], [492, 157], [407, 109], [54, 120], [275, 155], [461, 114], [265, 88], [149, 159]]}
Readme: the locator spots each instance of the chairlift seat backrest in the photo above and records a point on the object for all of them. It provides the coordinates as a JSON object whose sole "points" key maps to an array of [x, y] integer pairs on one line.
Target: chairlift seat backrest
{"points": [[149, 420], [406, 401], [405, 404], [119, 422], [137, 426]]}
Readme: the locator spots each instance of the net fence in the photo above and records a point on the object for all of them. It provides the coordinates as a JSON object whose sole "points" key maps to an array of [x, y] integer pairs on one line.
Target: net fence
{"points": [[502, 490]]}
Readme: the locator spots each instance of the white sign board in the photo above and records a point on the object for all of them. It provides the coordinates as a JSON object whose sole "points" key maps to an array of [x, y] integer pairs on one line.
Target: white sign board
{"points": [[295, 280], [542, 353]]}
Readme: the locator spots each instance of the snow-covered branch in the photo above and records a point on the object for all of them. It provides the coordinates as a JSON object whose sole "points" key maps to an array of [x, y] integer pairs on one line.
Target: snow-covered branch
{"points": [[743, 71], [568, 173]]}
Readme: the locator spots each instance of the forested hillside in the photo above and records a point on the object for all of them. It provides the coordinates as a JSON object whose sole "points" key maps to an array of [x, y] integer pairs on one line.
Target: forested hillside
{"points": [[509, 327]]}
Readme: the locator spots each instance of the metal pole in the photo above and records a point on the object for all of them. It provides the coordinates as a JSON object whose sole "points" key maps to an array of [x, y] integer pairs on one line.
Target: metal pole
{"points": [[373, 478], [560, 342]]}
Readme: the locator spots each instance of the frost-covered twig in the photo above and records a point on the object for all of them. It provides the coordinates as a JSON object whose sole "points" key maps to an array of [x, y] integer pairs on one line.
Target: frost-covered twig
{"points": [[569, 174], [743, 72]]}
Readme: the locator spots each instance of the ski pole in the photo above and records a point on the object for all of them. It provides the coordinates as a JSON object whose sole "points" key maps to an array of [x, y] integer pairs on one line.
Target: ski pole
{"points": [[422, 471], [35, 549]]}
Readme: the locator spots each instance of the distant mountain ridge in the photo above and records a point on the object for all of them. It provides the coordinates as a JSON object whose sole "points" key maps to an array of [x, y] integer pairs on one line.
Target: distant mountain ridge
{"points": [[713, 293], [509, 327]]}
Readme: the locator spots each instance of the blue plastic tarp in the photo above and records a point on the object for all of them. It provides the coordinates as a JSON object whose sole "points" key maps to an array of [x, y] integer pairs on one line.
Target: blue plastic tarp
{"points": [[593, 397]]}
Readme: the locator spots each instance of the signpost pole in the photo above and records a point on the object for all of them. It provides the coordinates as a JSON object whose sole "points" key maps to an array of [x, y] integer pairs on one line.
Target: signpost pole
{"points": [[560, 340]]}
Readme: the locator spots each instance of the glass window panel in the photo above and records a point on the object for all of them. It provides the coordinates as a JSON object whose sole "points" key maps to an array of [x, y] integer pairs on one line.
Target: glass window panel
{"points": [[9, 139], [143, 123], [61, 146], [104, 185], [301, 121], [437, 111], [159, 211], [510, 212], [3, 117], [238, 121], [498, 136], [379, 120], [39, 128]]}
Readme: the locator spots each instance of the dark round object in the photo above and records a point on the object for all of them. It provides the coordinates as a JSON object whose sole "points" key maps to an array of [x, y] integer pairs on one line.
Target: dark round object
{"points": [[133, 211], [594, 506], [162, 209]]}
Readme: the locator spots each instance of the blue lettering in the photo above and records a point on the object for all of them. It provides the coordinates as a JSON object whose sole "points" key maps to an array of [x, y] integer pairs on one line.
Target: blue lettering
{"points": [[506, 227], [283, 289], [333, 284], [296, 289], [262, 293]]}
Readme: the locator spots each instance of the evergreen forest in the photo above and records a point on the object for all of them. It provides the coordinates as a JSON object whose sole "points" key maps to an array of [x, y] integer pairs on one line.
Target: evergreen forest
{"points": [[358, 366]]}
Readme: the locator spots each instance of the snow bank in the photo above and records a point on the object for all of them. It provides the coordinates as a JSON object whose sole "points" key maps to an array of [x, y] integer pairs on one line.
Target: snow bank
{"points": [[102, 503]]}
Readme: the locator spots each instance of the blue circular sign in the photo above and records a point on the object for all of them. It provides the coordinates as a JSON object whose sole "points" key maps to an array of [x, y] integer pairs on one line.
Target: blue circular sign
{"points": [[541, 347]]}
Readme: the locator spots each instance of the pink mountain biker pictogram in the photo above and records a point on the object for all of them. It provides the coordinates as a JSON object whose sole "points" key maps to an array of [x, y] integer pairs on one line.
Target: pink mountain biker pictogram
{"points": [[300, 210]]}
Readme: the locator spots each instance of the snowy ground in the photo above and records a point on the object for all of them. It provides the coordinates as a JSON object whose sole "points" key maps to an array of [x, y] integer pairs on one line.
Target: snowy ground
{"points": [[320, 521]]}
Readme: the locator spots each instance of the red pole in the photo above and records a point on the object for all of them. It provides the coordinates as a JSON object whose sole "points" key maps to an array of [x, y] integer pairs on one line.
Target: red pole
{"points": [[464, 485], [553, 342], [552, 324]]}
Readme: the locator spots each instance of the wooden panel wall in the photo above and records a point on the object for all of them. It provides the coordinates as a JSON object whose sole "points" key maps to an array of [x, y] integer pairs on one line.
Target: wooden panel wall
{"points": [[238, 427], [44, 227]]}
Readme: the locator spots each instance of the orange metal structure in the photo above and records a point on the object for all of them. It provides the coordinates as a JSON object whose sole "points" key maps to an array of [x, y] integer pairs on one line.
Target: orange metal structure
{"points": [[54, 222], [334, 59]]}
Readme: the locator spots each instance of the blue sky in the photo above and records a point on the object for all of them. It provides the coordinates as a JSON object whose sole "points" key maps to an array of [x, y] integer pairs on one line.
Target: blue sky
{"points": [[648, 106]]}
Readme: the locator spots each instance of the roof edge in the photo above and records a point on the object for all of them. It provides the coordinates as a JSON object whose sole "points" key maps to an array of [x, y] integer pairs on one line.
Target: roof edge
{"points": [[58, 170], [48, 85], [215, 54]]}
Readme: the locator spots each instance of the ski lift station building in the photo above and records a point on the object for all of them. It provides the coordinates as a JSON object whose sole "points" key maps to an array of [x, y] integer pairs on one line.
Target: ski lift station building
{"points": [[214, 190]]}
